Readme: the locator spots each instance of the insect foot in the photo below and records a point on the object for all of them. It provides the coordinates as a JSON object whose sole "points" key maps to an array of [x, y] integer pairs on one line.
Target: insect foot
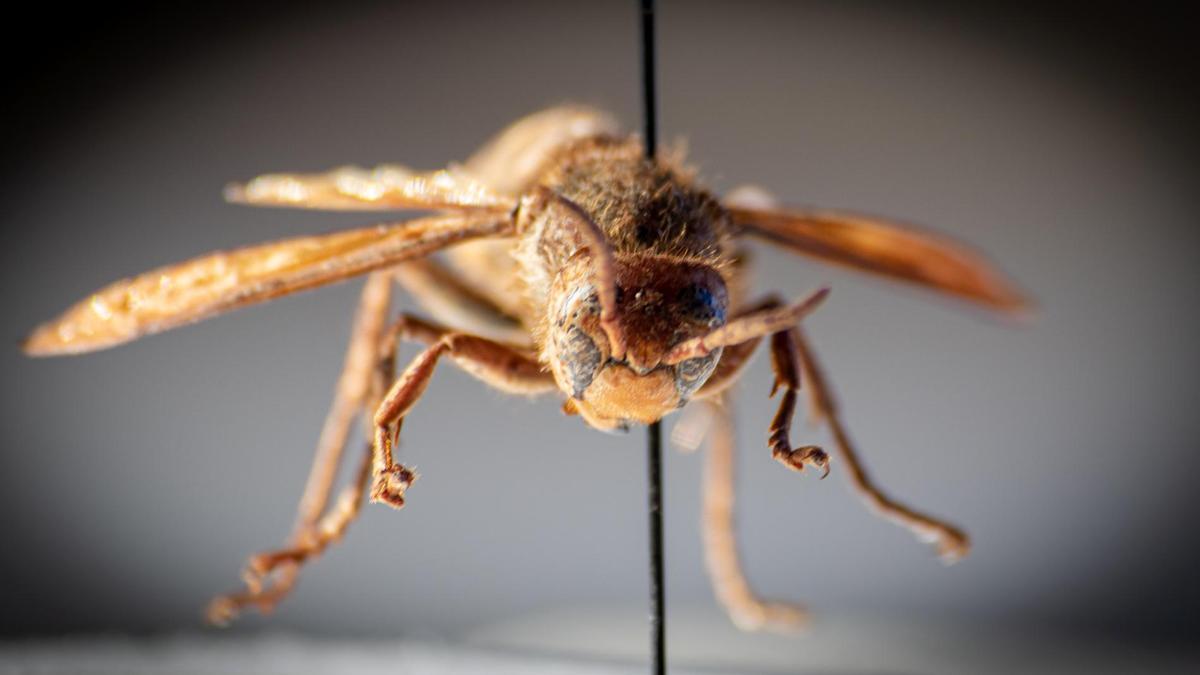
{"points": [[221, 611], [952, 544], [796, 460], [390, 485], [776, 617], [258, 567]]}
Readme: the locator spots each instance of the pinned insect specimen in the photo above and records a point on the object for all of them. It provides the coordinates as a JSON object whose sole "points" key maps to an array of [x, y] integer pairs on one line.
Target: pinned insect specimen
{"points": [[574, 265]]}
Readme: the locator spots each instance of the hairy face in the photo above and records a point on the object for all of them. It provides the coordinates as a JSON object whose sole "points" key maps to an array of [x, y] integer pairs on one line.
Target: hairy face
{"points": [[661, 302]]}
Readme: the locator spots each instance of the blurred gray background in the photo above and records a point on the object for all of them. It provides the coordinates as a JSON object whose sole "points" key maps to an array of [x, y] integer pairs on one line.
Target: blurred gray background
{"points": [[136, 480]]}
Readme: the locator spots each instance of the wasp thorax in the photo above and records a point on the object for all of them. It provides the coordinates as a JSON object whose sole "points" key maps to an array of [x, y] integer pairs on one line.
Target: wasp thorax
{"points": [[661, 301]]}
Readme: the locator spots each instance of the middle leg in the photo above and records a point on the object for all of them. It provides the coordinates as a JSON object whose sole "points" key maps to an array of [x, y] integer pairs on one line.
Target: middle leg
{"points": [[747, 610], [950, 542]]}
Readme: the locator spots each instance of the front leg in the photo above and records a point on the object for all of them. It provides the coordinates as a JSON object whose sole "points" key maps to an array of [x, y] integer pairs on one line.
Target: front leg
{"points": [[507, 368], [735, 357], [787, 378]]}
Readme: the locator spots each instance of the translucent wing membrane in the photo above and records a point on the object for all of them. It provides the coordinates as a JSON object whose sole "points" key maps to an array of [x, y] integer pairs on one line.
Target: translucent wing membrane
{"points": [[355, 189], [209, 285], [512, 160], [885, 248]]}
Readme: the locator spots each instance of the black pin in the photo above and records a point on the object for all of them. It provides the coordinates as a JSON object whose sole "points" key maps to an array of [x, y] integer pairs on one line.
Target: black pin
{"points": [[658, 621]]}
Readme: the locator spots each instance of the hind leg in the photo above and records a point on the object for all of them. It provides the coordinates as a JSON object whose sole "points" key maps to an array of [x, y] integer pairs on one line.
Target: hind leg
{"points": [[951, 542], [747, 610], [270, 576], [353, 395]]}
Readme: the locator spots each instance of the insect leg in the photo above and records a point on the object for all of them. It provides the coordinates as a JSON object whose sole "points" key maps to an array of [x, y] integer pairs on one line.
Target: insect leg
{"points": [[771, 319], [351, 396], [951, 543], [692, 428], [745, 608], [736, 357], [456, 302], [787, 377], [507, 368], [283, 565], [768, 312]]}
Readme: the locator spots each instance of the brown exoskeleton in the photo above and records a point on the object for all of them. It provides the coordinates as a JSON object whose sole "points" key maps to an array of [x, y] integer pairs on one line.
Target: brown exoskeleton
{"points": [[576, 265]]}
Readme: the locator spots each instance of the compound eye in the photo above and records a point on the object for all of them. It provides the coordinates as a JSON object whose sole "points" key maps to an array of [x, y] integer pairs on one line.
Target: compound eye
{"points": [[702, 305], [691, 374], [579, 357]]}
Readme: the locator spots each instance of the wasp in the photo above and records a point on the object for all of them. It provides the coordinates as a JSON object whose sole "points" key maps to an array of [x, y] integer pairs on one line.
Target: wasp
{"points": [[573, 265]]}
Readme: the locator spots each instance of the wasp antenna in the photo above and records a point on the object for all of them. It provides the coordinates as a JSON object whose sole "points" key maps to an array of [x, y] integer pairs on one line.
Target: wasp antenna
{"points": [[746, 328], [604, 263]]}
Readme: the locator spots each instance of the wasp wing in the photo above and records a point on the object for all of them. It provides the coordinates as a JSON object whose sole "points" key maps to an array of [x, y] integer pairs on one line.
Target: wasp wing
{"points": [[187, 292], [512, 161], [885, 248], [386, 187]]}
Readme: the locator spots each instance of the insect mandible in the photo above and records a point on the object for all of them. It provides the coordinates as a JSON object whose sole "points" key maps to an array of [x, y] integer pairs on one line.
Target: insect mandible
{"points": [[574, 265]]}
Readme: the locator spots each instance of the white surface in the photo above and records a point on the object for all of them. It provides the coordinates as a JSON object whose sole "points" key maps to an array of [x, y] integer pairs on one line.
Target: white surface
{"points": [[600, 642]]}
